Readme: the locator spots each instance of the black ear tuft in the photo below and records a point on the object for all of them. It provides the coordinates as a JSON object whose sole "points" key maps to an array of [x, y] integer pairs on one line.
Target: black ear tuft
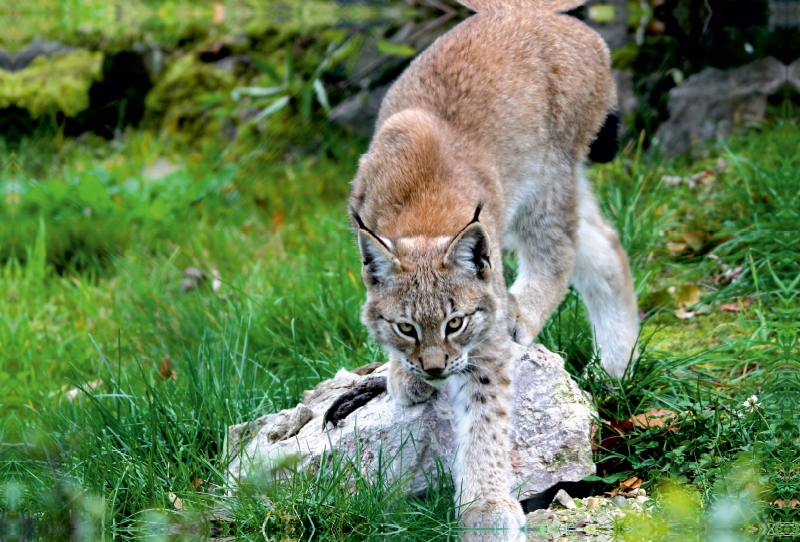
{"points": [[477, 213], [605, 145], [471, 252], [358, 219], [363, 227], [378, 261]]}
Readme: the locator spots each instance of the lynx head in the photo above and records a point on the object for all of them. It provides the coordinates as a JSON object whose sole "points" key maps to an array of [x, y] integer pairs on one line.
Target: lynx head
{"points": [[429, 300]]}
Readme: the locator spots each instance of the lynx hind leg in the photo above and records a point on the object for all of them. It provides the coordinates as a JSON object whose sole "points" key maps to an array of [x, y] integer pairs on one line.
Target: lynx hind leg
{"points": [[405, 388], [603, 278], [543, 232]]}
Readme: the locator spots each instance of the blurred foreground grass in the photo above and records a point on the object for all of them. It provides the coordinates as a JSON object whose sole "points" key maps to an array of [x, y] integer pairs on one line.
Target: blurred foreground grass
{"points": [[121, 372]]}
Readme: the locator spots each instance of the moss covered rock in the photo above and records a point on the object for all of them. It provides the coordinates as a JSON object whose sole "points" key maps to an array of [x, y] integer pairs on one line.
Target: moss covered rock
{"points": [[187, 97], [51, 85]]}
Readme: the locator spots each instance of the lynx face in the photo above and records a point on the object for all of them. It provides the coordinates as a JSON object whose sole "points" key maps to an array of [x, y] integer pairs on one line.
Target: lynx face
{"points": [[429, 301]]}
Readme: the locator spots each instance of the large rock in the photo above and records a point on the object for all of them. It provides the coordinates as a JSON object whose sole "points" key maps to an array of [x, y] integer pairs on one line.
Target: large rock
{"points": [[708, 104], [550, 436]]}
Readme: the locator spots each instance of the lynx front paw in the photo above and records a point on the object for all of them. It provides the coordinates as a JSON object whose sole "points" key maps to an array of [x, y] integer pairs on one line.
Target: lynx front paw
{"points": [[500, 519], [521, 329], [521, 333], [406, 389]]}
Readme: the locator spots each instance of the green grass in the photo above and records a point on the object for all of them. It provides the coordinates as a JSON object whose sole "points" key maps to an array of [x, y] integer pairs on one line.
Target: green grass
{"points": [[92, 300]]}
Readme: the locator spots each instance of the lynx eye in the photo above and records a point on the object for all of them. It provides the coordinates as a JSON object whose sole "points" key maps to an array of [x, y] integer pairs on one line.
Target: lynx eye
{"points": [[454, 324], [406, 329]]}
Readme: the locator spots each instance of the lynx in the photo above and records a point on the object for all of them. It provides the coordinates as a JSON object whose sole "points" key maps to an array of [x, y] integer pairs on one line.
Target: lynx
{"points": [[480, 145]]}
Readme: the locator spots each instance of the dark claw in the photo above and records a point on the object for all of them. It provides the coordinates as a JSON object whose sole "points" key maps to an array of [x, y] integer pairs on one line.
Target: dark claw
{"points": [[361, 394]]}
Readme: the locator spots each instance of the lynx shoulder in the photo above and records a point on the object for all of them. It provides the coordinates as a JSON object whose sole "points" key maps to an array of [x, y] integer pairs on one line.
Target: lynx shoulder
{"points": [[479, 146]]}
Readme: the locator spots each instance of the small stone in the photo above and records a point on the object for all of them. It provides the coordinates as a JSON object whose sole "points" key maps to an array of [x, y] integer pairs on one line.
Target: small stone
{"points": [[194, 277], [641, 499], [176, 501], [642, 492], [159, 169], [187, 284], [563, 498], [593, 502], [620, 501], [194, 273]]}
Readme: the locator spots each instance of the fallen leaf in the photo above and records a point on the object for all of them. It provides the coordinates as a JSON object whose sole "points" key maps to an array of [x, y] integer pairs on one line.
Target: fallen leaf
{"points": [[630, 483], [611, 434], [704, 177], [671, 180], [695, 239], [676, 247], [687, 294], [734, 307], [165, 369], [278, 218], [218, 16], [655, 417], [683, 314], [659, 299], [627, 488]]}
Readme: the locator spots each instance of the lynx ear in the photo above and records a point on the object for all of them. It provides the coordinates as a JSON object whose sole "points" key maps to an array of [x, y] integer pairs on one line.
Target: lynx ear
{"points": [[470, 251], [378, 262]]}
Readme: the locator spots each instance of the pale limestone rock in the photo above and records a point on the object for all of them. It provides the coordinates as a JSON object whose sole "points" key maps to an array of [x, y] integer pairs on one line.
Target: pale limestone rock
{"points": [[550, 430]]}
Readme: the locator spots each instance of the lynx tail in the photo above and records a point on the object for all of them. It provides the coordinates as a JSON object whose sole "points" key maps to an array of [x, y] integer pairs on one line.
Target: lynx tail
{"points": [[521, 5]]}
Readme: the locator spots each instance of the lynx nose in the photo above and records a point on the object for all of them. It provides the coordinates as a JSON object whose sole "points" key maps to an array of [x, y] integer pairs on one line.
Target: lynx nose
{"points": [[434, 371]]}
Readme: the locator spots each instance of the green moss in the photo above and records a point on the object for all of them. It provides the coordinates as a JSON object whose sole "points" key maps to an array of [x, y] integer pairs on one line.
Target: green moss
{"points": [[704, 331], [186, 99], [50, 85]]}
